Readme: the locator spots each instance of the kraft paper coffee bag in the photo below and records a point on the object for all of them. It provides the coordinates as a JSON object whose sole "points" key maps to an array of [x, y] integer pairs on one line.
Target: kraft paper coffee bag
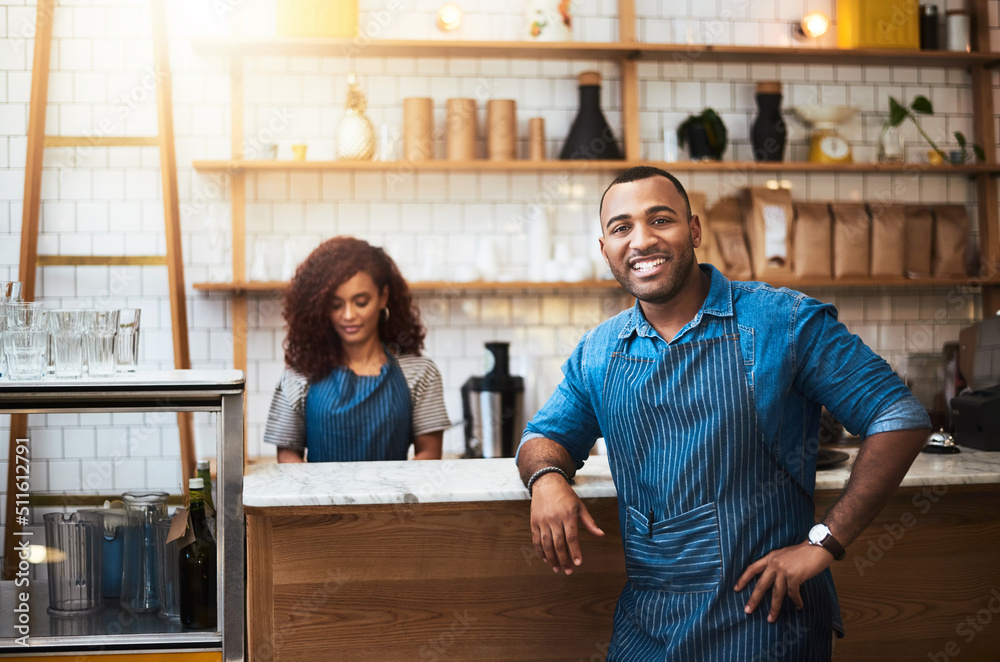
{"points": [[768, 217], [919, 231], [951, 240], [851, 240], [888, 240], [811, 240], [731, 255]]}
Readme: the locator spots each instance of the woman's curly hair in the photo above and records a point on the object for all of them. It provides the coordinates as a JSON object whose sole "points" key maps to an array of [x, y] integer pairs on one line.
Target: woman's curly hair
{"points": [[312, 346]]}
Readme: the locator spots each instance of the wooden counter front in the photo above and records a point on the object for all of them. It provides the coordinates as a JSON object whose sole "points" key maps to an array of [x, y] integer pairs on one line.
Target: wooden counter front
{"points": [[460, 581], [449, 581], [928, 563]]}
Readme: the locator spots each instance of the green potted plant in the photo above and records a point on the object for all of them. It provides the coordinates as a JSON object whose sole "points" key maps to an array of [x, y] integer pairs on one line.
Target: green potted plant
{"points": [[921, 105], [704, 134]]}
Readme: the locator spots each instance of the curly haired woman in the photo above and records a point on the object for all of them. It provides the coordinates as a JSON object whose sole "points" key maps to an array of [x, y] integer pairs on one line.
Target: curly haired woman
{"points": [[355, 387]]}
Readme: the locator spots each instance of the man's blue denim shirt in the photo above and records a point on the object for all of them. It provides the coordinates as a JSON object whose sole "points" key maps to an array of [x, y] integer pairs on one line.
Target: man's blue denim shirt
{"points": [[796, 355]]}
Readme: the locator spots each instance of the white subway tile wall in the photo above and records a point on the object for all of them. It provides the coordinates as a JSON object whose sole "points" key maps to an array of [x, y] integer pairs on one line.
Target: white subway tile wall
{"points": [[101, 200]]}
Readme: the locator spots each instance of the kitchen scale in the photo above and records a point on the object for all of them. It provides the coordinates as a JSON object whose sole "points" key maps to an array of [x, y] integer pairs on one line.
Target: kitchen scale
{"points": [[826, 145]]}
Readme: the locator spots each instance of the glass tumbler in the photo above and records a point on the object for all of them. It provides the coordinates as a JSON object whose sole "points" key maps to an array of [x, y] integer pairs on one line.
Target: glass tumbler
{"points": [[10, 290], [140, 564], [127, 340], [26, 315], [73, 562], [168, 586], [67, 342], [101, 326], [25, 351]]}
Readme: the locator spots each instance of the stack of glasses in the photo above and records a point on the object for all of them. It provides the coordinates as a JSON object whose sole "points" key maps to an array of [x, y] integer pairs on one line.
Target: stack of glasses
{"points": [[106, 339]]}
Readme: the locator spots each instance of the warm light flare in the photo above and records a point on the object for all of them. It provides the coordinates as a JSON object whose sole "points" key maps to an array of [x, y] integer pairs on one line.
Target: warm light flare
{"points": [[815, 24], [449, 17], [42, 554]]}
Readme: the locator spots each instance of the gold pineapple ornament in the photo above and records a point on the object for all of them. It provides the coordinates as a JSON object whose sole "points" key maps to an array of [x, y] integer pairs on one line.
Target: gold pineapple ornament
{"points": [[355, 132]]}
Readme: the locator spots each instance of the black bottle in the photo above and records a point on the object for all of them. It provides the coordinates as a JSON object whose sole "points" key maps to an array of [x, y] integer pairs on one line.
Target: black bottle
{"points": [[197, 565], [590, 137], [928, 27], [769, 133], [205, 473]]}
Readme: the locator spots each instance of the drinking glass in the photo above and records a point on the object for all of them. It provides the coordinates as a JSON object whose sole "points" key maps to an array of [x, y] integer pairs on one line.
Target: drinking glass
{"points": [[25, 350], [67, 339], [26, 314], [142, 558], [73, 562], [101, 328], [3, 327], [127, 340], [168, 585], [10, 289]]}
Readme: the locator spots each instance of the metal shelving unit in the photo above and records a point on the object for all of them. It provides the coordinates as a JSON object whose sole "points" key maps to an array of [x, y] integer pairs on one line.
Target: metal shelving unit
{"points": [[217, 391]]}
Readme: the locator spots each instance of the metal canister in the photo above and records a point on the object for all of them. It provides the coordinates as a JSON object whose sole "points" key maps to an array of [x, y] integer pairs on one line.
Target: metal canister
{"points": [[491, 406]]}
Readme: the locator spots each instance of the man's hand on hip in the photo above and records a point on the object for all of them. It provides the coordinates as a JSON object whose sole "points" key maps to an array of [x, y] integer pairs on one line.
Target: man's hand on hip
{"points": [[784, 571], [555, 508]]}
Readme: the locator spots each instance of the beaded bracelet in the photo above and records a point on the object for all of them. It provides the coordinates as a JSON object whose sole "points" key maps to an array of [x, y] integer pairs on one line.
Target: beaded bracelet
{"points": [[546, 470]]}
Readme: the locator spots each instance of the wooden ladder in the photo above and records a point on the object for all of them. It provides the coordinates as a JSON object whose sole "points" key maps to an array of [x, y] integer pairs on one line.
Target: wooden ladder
{"points": [[30, 260]]}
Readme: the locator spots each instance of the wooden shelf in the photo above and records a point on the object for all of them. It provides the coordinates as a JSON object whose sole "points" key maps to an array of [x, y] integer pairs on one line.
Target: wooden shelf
{"points": [[238, 166], [788, 55], [513, 286], [581, 50], [794, 283], [426, 286]]}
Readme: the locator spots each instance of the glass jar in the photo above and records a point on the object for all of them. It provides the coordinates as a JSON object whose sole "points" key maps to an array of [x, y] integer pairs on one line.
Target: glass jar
{"points": [[167, 588], [890, 144]]}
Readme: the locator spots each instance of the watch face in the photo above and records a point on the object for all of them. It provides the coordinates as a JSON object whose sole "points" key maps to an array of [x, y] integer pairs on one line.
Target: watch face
{"points": [[834, 147], [818, 533]]}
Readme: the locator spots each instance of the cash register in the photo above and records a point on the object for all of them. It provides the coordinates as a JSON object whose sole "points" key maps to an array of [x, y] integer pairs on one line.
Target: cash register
{"points": [[975, 417]]}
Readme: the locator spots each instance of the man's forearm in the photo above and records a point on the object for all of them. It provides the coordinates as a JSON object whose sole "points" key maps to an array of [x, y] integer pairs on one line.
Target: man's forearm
{"points": [[879, 467], [539, 453]]}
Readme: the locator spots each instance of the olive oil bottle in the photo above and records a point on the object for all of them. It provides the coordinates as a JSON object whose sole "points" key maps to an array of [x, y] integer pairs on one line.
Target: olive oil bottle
{"points": [[197, 565], [205, 473]]}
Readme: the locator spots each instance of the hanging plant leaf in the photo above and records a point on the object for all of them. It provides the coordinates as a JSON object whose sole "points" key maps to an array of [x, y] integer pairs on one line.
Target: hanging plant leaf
{"points": [[922, 105], [897, 113], [960, 137], [978, 151]]}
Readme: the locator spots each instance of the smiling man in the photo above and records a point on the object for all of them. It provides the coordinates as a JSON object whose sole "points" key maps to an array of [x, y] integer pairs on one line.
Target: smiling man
{"points": [[708, 393]]}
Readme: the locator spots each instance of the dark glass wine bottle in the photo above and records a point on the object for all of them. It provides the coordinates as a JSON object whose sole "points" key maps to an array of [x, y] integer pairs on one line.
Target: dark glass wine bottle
{"points": [[590, 137], [197, 565], [205, 473]]}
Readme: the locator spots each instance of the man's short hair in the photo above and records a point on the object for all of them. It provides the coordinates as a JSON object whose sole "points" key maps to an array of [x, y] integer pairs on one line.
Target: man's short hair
{"points": [[646, 172]]}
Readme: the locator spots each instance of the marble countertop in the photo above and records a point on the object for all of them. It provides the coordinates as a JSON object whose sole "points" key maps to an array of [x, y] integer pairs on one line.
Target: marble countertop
{"points": [[329, 484]]}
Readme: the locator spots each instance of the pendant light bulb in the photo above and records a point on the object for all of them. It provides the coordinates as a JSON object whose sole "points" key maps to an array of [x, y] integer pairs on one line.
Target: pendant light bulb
{"points": [[449, 17], [814, 24]]}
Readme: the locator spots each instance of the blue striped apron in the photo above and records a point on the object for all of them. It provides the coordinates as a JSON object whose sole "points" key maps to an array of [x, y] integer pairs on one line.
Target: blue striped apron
{"points": [[359, 418], [701, 496]]}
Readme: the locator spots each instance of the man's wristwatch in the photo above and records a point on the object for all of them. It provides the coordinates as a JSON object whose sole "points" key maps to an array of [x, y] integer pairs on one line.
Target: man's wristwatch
{"points": [[820, 536]]}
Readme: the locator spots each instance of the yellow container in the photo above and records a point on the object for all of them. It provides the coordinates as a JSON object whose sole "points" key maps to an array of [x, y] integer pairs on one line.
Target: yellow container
{"points": [[317, 18], [878, 24]]}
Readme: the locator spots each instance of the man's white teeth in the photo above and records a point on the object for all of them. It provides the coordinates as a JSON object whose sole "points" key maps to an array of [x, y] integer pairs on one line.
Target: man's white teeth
{"points": [[648, 265]]}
